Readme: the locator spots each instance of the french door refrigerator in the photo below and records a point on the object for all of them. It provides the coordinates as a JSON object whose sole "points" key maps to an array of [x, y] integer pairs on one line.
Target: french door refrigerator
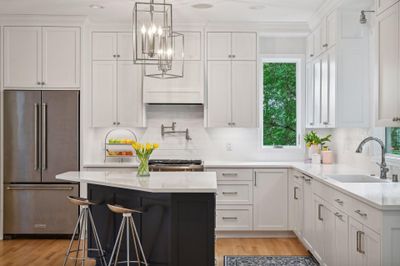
{"points": [[41, 140]]}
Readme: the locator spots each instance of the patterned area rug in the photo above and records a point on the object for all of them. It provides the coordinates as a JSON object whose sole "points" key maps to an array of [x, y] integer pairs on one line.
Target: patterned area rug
{"points": [[269, 261]]}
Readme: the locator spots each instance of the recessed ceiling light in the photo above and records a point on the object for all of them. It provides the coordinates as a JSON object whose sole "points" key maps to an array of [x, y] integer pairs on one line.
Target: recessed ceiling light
{"points": [[96, 6], [202, 6], [258, 7]]}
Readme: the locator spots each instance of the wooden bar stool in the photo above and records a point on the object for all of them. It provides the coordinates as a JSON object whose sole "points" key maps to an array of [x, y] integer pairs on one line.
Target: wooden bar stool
{"points": [[85, 218], [128, 225]]}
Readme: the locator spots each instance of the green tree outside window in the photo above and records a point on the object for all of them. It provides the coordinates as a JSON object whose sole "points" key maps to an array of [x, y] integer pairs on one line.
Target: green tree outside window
{"points": [[279, 107]]}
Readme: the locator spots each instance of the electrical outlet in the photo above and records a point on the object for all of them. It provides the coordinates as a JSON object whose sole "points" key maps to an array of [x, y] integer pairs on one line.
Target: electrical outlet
{"points": [[228, 146]]}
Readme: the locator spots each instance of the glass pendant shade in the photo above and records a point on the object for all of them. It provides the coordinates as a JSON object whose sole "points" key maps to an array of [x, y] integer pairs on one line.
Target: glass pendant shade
{"points": [[152, 31], [170, 58]]}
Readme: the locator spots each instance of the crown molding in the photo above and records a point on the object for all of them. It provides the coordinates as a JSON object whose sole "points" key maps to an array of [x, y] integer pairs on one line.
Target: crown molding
{"points": [[40, 20]]}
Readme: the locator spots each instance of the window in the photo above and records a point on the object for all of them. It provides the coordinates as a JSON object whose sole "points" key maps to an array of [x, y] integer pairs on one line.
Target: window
{"points": [[280, 102], [393, 140]]}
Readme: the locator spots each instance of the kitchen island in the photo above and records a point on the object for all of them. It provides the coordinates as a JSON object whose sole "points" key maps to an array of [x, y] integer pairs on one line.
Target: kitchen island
{"points": [[178, 223]]}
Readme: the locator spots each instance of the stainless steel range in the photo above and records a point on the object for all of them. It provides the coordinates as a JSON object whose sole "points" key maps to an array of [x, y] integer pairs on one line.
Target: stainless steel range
{"points": [[176, 165]]}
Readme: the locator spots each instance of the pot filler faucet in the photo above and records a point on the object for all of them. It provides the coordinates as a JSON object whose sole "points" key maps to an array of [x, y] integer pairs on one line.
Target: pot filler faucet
{"points": [[382, 165]]}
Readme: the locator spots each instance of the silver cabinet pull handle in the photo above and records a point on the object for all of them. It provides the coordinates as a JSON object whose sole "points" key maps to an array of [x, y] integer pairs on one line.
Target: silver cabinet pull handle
{"points": [[359, 236], [36, 135], [325, 45], [229, 193], [229, 174], [44, 136], [297, 177], [362, 214], [338, 215], [255, 179], [307, 179], [229, 218], [295, 193], [38, 83], [320, 212], [339, 201]]}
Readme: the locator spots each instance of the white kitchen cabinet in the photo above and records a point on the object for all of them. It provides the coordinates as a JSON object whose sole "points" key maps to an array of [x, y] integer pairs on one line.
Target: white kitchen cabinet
{"points": [[270, 189], [388, 98], [234, 218], [232, 46], [336, 81], [22, 57], [235, 192], [382, 5], [364, 245], [129, 94], [104, 88], [317, 40], [310, 53], [319, 228], [341, 233], [244, 94], [219, 110], [41, 57], [244, 46], [308, 212], [61, 57], [296, 204], [116, 94], [112, 45], [193, 46]]}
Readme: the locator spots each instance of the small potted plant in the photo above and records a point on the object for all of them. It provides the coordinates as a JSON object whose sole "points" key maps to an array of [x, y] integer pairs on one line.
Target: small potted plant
{"points": [[143, 152], [315, 143]]}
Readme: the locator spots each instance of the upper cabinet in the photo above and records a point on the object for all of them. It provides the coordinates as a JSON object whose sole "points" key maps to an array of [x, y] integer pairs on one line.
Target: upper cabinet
{"points": [[116, 82], [337, 90], [382, 5], [388, 98], [232, 79], [190, 88], [42, 57], [231, 46]]}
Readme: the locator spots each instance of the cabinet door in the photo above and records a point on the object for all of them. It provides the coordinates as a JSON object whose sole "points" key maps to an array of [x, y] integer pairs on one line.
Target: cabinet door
{"points": [[104, 46], [325, 90], [310, 101], [271, 199], [319, 231], [310, 47], [124, 46], [371, 244], [329, 236], [129, 96], [61, 57], [331, 87], [355, 257], [317, 41], [331, 26], [22, 57], [388, 56], [244, 94], [219, 94], [341, 239], [308, 207], [317, 91], [384, 4], [324, 36], [104, 82], [219, 45], [244, 46]]}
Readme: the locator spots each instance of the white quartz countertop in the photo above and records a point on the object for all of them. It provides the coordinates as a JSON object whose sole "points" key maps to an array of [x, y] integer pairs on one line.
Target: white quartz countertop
{"points": [[384, 196], [157, 182]]}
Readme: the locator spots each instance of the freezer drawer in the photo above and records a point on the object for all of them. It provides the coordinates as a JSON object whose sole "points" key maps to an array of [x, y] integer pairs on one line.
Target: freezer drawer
{"points": [[39, 209]]}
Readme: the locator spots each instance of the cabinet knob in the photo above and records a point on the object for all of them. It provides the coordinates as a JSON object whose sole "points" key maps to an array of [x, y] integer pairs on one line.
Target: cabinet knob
{"points": [[396, 119], [233, 56], [118, 55], [114, 55], [43, 83], [233, 124], [39, 83], [311, 55], [326, 123], [312, 123], [114, 123], [325, 45]]}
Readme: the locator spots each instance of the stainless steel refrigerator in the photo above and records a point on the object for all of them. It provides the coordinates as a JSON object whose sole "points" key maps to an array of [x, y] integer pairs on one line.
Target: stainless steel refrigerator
{"points": [[41, 140]]}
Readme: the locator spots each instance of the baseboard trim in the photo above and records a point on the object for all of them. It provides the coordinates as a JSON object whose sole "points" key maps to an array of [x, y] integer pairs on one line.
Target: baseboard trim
{"points": [[255, 234]]}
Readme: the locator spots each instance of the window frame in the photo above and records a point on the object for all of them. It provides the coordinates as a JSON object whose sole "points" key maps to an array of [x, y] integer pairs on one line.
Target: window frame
{"points": [[299, 60]]}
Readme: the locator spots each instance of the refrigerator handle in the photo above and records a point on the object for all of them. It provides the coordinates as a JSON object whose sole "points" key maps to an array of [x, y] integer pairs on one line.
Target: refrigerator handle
{"points": [[36, 134], [44, 136]]}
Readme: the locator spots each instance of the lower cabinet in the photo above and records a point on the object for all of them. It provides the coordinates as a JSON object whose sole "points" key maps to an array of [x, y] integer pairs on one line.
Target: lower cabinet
{"points": [[296, 204], [271, 199], [234, 218], [308, 212], [364, 245]]}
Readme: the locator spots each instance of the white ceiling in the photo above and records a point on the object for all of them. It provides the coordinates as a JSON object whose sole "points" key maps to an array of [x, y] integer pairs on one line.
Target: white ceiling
{"points": [[223, 10]]}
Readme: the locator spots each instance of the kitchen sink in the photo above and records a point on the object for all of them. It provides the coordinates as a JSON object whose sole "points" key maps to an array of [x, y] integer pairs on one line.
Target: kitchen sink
{"points": [[357, 179]]}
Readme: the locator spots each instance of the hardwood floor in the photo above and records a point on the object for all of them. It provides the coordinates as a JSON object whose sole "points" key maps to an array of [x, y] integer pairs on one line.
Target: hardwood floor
{"points": [[51, 252]]}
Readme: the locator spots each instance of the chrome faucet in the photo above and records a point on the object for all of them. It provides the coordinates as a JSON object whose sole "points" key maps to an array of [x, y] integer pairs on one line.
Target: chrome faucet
{"points": [[383, 164]]}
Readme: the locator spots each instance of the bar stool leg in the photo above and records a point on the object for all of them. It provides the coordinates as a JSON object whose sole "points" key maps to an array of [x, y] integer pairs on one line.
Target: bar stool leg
{"points": [[97, 240], [72, 239], [136, 235], [117, 243]]}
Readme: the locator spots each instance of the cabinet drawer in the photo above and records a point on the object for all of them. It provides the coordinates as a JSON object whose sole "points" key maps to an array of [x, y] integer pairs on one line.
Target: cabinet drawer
{"points": [[367, 215], [234, 192], [233, 174], [234, 218]]}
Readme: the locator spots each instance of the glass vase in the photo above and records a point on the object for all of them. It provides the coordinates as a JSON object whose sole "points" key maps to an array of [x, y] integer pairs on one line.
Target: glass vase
{"points": [[143, 169]]}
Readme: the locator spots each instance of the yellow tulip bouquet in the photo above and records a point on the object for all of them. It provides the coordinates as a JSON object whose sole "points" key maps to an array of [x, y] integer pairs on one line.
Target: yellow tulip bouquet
{"points": [[143, 152]]}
